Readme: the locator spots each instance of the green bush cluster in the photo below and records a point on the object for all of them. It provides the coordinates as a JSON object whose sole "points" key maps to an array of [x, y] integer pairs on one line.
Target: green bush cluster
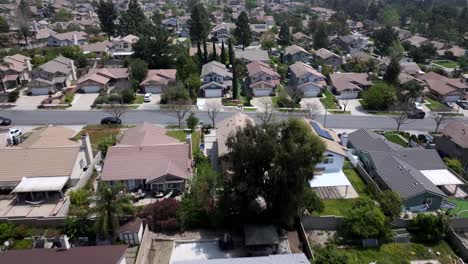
{"points": [[13, 96]]}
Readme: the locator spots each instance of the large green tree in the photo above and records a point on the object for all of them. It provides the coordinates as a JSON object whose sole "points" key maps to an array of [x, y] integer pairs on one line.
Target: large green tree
{"points": [[380, 96], [222, 56], [263, 186], [390, 203], [139, 69], [107, 13], [428, 228], [155, 48], [321, 37], [392, 72], [4, 27], [199, 23], [284, 35], [242, 33], [384, 38], [133, 20]]}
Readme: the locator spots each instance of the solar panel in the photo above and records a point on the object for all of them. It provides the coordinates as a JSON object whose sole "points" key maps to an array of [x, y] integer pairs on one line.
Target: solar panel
{"points": [[320, 131]]}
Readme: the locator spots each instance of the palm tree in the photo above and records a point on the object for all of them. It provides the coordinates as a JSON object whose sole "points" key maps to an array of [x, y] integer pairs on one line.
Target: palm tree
{"points": [[110, 205]]}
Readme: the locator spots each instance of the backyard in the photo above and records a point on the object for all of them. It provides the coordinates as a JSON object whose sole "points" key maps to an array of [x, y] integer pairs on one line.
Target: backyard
{"points": [[400, 253], [181, 136], [329, 102], [98, 133], [447, 63], [461, 209]]}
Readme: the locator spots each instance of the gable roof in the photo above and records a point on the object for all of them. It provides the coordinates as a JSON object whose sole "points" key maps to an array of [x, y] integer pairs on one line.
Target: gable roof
{"points": [[15, 62], [349, 80], [443, 85], [325, 54], [300, 69], [228, 127], [364, 139], [146, 134], [59, 64], [80, 35], [252, 55], [111, 73], [95, 78], [162, 76], [293, 49], [331, 145], [257, 67], [457, 131], [215, 67]]}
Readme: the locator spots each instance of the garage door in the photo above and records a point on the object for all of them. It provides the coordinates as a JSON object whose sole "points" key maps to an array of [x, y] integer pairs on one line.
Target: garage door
{"points": [[91, 89], [348, 95], [262, 91], [311, 92], [39, 91], [452, 98], [153, 89], [209, 93]]}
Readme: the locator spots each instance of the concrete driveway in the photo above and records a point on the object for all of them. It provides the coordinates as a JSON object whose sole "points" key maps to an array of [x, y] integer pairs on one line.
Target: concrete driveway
{"points": [[260, 102], [153, 104], [203, 102], [83, 101], [354, 106], [28, 102], [312, 101]]}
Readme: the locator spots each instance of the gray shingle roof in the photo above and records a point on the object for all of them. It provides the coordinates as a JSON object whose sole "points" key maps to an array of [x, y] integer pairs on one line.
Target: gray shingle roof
{"points": [[215, 67], [363, 139], [273, 259]]}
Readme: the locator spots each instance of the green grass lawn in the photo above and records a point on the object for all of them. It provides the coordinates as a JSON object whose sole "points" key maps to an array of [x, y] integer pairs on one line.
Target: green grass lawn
{"points": [[356, 180], [395, 138], [98, 133], [462, 205], [181, 136], [249, 109], [329, 100], [22, 244], [447, 63], [400, 253], [433, 104], [139, 99], [337, 206]]}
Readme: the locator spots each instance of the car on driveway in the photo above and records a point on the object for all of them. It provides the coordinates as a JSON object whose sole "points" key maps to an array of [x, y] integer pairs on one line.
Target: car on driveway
{"points": [[15, 132], [110, 120], [5, 121], [147, 98], [463, 104]]}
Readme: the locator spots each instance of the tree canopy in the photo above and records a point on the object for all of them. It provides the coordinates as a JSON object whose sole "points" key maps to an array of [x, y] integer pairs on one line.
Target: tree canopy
{"points": [[242, 33], [379, 96], [199, 23], [107, 14]]}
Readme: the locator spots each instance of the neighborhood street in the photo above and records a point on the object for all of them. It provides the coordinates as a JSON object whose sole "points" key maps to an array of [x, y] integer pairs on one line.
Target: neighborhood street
{"points": [[69, 117]]}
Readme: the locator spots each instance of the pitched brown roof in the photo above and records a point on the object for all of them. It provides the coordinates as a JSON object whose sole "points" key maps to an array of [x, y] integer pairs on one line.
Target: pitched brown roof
{"points": [[325, 54], [229, 126], [50, 137], [74, 255], [94, 77], [458, 133], [293, 49], [300, 69], [146, 134], [257, 66], [349, 80], [443, 85], [111, 73], [162, 76]]}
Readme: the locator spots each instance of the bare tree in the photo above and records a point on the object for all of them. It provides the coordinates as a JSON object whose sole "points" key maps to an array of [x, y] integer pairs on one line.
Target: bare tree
{"points": [[213, 109], [312, 110], [295, 94], [266, 112], [181, 108], [117, 110], [440, 118], [401, 116], [345, 104]]}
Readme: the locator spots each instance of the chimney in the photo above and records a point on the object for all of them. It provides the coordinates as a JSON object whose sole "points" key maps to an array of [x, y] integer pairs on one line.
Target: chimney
{"points": [[73, 70], [189, 141], [75, 39], [28, 64], [64, 242], [86, 144], [344, 139]]}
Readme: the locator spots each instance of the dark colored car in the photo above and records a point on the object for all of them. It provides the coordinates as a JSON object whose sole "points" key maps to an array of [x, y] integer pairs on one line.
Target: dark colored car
{"points": [[111, 121], [5, 121], [463, 104], [417, 115]]}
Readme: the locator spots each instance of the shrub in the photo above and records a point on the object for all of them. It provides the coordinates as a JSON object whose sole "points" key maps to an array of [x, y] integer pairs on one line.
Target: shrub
{"points": [[106, 143], [13, 96], [192, 121], [428, 228], [21, 232], [69, 98], [379, 97], [454, 164], [128, 96], [162, 215], [7, 231]]}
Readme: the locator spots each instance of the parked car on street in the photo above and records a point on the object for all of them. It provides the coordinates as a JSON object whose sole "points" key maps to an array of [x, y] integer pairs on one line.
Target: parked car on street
{"points": [[111, 121], [417, 114], [5, 121]]}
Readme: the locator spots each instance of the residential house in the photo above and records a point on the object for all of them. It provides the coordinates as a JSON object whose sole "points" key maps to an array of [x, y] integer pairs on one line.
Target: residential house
{"points": [[170, 24], [41, 168], [216, 78], [354, 25], [411, 68], [324, 14], [99, 48], [352, 43], [295, 53], [146, 158], [306, 79], [454, 51], [221, 32], [67, 39], [454, 142], [326, 57], [41, 36], [417, 41], [302, 39], [416, 174], [403, 34], [329, 172], [297, 258], [15, 70], [251, 55], [348, 85], [158, 80], [443, 88], [99, 79], [257, 31], [114, 254], [52, 76], [262, 79], [123, 46]]}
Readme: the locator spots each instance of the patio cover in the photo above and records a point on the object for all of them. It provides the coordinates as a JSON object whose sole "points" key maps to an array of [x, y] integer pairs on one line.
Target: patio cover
{"points": [[41, 184], [330, 179], [442, 177]]}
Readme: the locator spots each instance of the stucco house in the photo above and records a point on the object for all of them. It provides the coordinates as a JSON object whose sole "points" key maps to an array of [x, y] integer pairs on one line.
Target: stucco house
{"points": [[67, 39], [348, 85], [146, 158], [262, 79], [295, 53], [157, 80], [98, 79], [16, 71], [216, 79], [307, 79], [222, 32], [326, 57], [454, 142], [123, 46], [444, 88], [52, 76]]}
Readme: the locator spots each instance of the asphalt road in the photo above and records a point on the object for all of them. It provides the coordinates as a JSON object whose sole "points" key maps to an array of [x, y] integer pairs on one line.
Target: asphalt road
{"points": [[67, 117]]}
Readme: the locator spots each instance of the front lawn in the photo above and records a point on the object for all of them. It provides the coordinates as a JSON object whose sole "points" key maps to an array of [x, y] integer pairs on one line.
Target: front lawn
{"points": [[400, 253], [434, 105], [139, 99], [337, 207], [447, 63], [182, 137], [329, 102], [395, 138], [98, 133]]}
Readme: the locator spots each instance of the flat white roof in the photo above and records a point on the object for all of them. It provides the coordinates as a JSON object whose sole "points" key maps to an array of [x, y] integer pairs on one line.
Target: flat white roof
{"points": [[441, 177], [330, 179], [198, 250], [41, 184]]}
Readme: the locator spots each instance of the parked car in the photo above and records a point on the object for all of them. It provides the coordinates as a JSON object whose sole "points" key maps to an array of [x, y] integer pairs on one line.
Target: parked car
{"points": [[463, 104], [111, 121], [416, 115], [147, 98], [15, 132], [449, 104], [5, 121]]}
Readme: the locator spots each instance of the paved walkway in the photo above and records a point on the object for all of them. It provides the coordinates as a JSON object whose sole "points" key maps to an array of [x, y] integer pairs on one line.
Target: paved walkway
{"points": [[29, 102], [83, 101], [261, 102], [312, 101], [203, 102], [153, 105], [354, 106]]}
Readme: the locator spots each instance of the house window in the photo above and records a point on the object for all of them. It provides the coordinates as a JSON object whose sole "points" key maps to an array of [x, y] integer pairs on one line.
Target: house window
{"points": [[125, 45], [328, 159], [253, 78], [174, 186], [427, 201], [268, 78], [82, 164]]}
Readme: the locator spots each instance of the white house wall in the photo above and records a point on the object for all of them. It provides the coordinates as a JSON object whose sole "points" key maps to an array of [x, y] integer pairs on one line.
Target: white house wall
{"points": [[337, 165]]}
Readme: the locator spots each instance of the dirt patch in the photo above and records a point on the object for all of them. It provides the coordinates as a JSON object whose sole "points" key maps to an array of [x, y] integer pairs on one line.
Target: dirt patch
{"points": [[160, 252], [320, 237]]}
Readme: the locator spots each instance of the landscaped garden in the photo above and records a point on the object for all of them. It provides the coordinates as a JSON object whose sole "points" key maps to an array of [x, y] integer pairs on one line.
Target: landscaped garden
{"points": [[329, 101]]}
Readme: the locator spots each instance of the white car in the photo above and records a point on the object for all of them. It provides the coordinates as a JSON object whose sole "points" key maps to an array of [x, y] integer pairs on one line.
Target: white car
{"points": [[147, 98], [15, 132]]}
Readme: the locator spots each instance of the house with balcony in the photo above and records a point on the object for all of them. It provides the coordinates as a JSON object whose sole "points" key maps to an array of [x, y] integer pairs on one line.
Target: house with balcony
{"points": [[216, 79], [262, 79], [52, 76], [306, 79]]}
